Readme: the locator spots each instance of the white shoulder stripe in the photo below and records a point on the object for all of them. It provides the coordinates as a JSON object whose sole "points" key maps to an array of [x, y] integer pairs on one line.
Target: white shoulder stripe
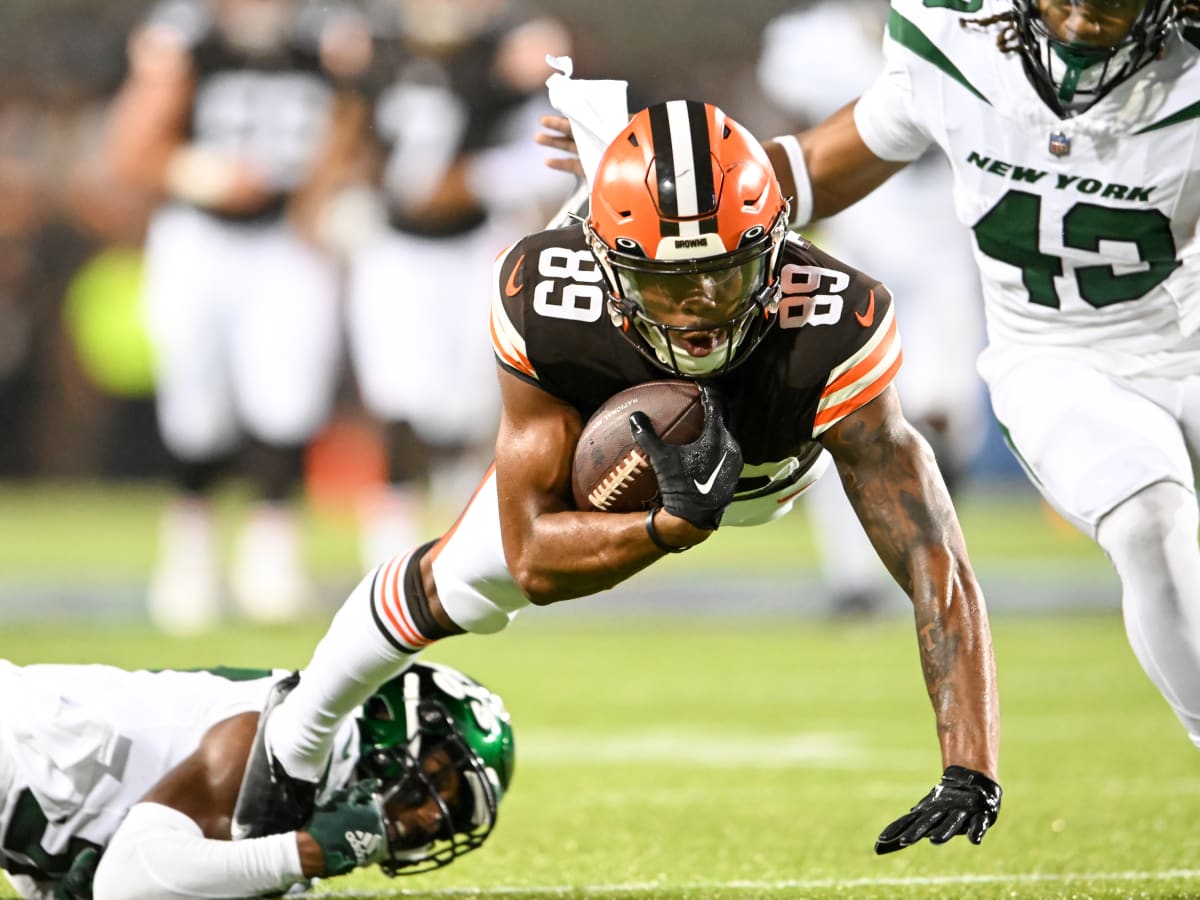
{"points": [[864, 380]]}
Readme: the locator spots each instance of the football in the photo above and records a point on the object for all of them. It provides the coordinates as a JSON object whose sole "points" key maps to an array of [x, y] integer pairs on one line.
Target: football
{"points": [[610, 473]]}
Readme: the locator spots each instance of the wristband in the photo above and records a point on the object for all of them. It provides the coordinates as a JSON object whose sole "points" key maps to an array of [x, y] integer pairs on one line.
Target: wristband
{"points": [[802, 203], [653, 532]]}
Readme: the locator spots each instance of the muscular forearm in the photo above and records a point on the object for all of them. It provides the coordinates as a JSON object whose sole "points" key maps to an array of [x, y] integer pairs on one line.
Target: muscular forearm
{"points": [[956, 660], [907, 513], [575, 554], [160, 853]]}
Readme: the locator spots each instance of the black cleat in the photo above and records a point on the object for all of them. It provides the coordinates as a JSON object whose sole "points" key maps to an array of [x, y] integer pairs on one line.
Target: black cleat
{"points": [[271, 801]]}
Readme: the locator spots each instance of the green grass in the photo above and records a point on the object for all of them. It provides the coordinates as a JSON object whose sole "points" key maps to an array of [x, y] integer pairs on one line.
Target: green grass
{"points": [[661, 759], [106, 533]]}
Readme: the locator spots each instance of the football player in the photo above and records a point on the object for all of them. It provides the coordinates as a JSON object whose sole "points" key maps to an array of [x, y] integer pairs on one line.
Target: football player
{"points": [[137, 771], [1073, 131], [226, 113], [1072, 128], [456, 87], [684, 266]]}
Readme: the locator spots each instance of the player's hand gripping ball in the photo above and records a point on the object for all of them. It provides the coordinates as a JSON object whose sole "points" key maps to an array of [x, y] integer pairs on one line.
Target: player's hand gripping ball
{"points": [[611, 473]]}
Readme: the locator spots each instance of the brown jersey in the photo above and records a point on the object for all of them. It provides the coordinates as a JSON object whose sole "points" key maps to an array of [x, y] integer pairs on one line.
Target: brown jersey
{"points": [[833, 348]]}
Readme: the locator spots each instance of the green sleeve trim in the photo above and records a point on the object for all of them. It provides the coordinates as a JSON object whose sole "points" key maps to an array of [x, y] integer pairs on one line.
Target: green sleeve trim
{"points": [[229, 673], [909, 35], [1188, 112]]}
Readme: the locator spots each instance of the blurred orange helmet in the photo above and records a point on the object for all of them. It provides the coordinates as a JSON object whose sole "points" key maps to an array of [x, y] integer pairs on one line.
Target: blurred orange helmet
{"points": [[687, 221]]}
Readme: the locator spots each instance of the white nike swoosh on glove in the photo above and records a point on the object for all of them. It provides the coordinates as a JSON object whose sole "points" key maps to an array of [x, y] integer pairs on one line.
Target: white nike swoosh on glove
{"points": [[705, 486]]}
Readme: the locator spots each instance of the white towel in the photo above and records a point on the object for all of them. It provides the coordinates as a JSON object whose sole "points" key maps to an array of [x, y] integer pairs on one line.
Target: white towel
{"points": [[597, 109]]}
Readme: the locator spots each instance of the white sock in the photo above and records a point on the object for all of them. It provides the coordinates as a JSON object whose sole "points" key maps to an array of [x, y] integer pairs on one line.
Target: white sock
{"points": [[352, 660], [1151, 540]]}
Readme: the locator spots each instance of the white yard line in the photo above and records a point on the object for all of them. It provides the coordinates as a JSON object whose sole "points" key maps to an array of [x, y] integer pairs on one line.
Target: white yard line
{"points": [[751, 887]]}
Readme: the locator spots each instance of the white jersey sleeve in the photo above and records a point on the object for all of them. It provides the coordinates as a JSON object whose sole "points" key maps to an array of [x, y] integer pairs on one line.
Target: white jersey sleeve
{"points": [[884, 113], [158, 853]]}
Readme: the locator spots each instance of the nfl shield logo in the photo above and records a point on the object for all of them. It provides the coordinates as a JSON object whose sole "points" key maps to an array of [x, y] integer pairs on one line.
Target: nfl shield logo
{"points": [[1060, 144]]}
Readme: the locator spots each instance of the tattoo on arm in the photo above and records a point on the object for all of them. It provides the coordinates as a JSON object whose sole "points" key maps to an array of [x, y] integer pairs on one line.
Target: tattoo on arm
{"points": [[893, 485]]}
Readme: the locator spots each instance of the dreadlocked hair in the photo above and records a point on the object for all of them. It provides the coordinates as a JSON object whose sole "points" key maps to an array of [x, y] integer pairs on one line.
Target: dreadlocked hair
{"points": [[1006, 41]]}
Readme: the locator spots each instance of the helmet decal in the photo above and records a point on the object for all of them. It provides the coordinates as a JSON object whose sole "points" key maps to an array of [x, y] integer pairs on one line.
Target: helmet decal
{"points": [[687, 222], [683, 172], [442, 745]]}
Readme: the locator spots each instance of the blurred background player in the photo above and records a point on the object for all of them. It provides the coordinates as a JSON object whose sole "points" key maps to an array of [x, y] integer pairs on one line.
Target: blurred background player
{"points": [[137, 771], [456, 88], [814, 60], [226, 111]]}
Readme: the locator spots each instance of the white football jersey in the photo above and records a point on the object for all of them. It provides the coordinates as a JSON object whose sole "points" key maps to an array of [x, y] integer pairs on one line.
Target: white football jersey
{"points": [[1084, 228], [80, 744]]}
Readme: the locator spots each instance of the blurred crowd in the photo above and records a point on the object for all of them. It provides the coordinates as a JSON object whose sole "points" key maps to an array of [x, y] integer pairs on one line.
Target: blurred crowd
{"points": [[75, 378], [253, 238]]}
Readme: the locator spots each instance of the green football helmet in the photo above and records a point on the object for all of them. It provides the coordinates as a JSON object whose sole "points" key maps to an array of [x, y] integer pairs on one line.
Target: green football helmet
{"points": [[442, 745]]}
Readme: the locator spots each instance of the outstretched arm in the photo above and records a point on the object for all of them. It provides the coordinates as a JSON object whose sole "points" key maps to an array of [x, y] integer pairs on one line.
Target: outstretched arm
{"points": [[175, 844], [827, 167], [893, 483], [822, 170]]}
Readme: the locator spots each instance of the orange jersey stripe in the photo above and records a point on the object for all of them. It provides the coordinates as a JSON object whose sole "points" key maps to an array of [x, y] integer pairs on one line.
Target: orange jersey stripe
{"points": [[869, 392], [509, 354], [883, 346]]}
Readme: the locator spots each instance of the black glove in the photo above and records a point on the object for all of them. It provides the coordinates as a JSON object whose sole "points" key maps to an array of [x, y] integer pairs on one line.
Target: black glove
{"points": [[696, 481], [965, 802]]}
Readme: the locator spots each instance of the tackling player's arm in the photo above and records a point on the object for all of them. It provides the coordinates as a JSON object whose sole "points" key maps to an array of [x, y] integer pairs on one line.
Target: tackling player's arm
{"points": [[555, 552], [175, 843], [838, 167], [893, 483]]}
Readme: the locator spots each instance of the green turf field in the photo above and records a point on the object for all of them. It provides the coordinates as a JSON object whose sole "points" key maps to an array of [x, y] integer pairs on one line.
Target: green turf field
{"points": [[103, 533], [675, 757], [658, 759]]}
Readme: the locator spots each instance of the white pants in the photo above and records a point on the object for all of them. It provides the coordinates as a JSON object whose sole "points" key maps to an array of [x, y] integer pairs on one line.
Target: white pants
{"points": [[1116, 457], [418, 328], [244, 323], [1090, 440]]}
